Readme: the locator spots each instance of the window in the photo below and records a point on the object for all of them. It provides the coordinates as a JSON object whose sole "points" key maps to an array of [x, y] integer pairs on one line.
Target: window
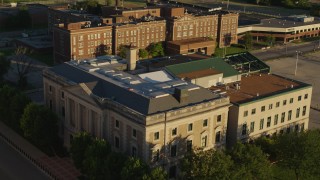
{"points": [[304, 110], [156, 136], [253, 111], [50, 89], [296, 128], [276, 119], [80, 38], [298, 113], [204, 141], [62, 95], [116, 142], [263, 108], [50, 104], [306, 96], [174, 132], [189, 145], [288, 129], [291, 100], [299, 98], [252, 126], [133, 151], [277, 104], [269, 121], [219, 117], [283, 116], [190, 126], [284, 102], [117, 124], [289, 115], [172, 172], [173, 150], [270, 106], [245, 113], [205, 123], [261, 123], [218, 137], [63, 111], [302, 127], [156, 155], [244, 129], [134, 133]]}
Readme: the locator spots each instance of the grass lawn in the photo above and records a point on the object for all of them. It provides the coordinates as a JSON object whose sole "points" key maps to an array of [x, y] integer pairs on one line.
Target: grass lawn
{"points": [[229, 50]]}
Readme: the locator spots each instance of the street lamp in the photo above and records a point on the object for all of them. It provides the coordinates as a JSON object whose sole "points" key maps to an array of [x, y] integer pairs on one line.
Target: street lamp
{"points": [[295, 71]]}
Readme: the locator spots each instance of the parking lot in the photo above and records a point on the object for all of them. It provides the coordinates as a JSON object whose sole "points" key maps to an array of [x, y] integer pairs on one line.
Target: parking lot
{"points": [[308, 72]]}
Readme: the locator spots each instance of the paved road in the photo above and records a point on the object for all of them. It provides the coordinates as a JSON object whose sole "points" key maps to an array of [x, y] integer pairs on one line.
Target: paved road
{"points": [[290, 50], [13, 166]]}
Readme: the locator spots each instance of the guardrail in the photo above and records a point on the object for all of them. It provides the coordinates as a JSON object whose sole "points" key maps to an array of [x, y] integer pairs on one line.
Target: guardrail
{"points": [[28, 156]]}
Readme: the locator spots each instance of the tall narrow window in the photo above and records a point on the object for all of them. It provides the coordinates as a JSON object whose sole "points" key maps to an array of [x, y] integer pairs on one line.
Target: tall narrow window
{"points": [[298, 113], [218, 137], [289, 115], [205, 123], [276, 119], [304, 110], [204, 141], [244, 129], [252, 126], [269, 121], [173, 150], [190, 127], [116, 142], [283, 116], [189, 145], [261, 123]]}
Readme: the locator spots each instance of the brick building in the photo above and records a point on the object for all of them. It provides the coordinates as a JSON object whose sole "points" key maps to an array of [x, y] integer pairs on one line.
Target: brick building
{"points": [[140, 32], [81, 40], [182, 28]]}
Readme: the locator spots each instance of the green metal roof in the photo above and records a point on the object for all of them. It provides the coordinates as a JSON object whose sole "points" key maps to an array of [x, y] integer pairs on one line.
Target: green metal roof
{"points": [[213, 63]]}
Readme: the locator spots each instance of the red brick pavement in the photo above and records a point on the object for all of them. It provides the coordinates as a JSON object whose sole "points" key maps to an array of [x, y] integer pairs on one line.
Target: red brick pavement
{"points": [[61, 168]]}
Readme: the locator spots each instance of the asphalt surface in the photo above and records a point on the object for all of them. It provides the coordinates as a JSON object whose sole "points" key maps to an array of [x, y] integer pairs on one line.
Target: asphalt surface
{"points": [[13, 166], [287, 50]]}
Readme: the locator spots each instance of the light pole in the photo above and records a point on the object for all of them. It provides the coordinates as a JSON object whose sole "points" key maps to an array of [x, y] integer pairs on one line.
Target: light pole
{"points": [[295, 71]]}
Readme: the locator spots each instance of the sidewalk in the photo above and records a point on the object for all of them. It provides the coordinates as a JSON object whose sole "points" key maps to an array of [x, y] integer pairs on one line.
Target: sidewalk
{"points": [[55, 167]]}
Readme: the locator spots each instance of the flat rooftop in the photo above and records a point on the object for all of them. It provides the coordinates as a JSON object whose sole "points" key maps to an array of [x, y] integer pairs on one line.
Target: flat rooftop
{"points": [[284, 23], [199, 73], [171, 60], [257, 86]]}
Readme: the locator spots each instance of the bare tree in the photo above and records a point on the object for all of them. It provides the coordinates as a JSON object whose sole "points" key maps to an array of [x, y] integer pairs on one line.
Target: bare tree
{"points": [[23, 64]]}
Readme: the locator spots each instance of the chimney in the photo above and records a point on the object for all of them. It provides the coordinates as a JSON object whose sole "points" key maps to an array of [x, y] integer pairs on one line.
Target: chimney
{"points": [[181, 94], [131, 56]]}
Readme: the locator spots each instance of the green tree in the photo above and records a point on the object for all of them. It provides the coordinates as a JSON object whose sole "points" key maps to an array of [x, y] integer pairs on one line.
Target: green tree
{"points": [[300, 152], [91, 6], [134, 169], [39, 124], [95, 163], [115, 163], [250, 162], [109, 2], [4, 67], [209, 164], [12, 104], [122, 51], [143, 53], [267, 145], [23, 65], [270, 40], [248, 40], [156, 49], [79, 145], [156, 174]]}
